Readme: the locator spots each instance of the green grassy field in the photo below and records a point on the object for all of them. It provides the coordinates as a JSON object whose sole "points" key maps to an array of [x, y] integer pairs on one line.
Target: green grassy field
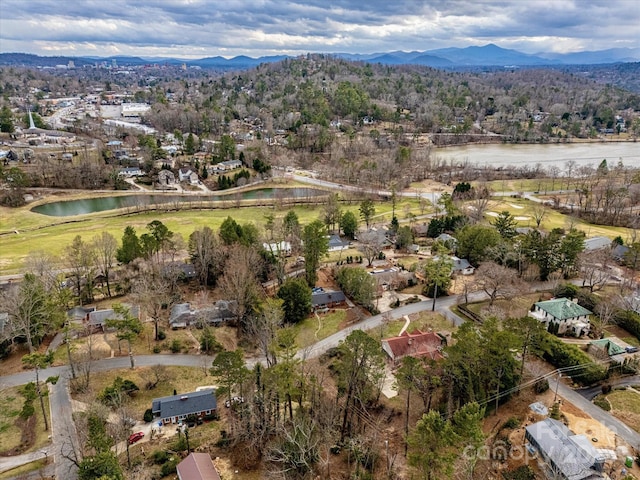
{"points": [[11, 402], [23, 231], [626, 406], [312, 329]]}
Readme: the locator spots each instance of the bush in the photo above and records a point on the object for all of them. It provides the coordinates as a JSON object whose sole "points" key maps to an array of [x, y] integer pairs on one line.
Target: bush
{"points": [[157, 349], [512, 423], [176, 346], [630, 321], [162, 335], [160, 457], [169, 468], [27, 410], [521, 473], [148, 415], [541, 386], [602, 402], [562, 355]]}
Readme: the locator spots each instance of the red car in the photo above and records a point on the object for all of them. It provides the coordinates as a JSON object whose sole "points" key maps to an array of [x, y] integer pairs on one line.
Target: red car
{"points": [[134, 437]]}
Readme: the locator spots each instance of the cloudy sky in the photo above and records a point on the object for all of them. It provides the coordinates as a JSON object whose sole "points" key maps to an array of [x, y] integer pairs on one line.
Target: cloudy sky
{"points": [[200, 28]]}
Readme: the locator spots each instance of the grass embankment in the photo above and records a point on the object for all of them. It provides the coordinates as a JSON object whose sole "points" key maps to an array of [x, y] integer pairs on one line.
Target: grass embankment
{"points": [[24, 469], [423, 321], [625, 405], [314, 328], [12, 435]]}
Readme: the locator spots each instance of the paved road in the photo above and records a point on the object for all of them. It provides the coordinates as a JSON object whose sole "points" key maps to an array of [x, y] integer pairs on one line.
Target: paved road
{"points": [[61, 403], [612, 423], [591, 392]]}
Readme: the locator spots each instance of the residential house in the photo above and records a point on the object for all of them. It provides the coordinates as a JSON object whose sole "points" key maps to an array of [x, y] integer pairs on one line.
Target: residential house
{"points": [[596, 243], [79, 313], [181, 316], [570, 318], [226, 165], [416, 344], [448, 241], [278, 248], [166, 178], [197, 466], [621, 253], [130, 172], [607, 349], [97, 319], [321, 298], [176, 408], [461, 266], [563, 454], [221, 312], [185, 174], [336, 243]]}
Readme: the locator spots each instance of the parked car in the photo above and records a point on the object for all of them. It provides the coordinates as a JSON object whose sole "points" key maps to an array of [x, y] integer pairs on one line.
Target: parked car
{"points": [[233, 401], [631, 349], [134, 437]]}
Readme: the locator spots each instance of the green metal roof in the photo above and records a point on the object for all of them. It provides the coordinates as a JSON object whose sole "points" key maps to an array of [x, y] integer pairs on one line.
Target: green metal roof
{"points": [[562, 308], [612, 348]]}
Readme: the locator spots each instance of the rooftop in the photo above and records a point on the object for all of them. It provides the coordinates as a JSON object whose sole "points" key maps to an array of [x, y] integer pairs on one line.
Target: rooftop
{"points": [[562, 308]]}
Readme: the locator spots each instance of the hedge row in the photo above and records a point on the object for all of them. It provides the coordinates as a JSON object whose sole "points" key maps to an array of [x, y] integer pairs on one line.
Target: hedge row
{"points": [[630, 321], [562, 355]]}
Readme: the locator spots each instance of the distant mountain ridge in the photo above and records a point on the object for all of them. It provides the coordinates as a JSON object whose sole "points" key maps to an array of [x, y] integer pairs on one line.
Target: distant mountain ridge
{"points": [[474, 56]]}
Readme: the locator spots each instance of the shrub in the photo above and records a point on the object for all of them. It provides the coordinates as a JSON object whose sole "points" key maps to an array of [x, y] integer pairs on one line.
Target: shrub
{"points": [[169, 468], [157, 349], [602, 402], [148, 415], [630, 321], [176, 346], [511, 423], [562, 355], [162, 335], [160, 457], [541, 386], [27, 410], [521, 473]]}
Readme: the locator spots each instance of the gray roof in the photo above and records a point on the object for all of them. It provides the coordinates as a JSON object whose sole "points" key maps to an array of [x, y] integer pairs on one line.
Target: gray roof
{"points": [[79, 312], [180, 313], [327, 297], [335, 241], [460, 264], [99, 317], [620, 252], [184, 404], [596, 243], [563, 450]]}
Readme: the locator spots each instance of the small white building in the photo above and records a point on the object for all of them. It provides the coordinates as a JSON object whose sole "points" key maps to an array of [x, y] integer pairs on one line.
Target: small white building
{"points": [[187, 175], [278, 248]]}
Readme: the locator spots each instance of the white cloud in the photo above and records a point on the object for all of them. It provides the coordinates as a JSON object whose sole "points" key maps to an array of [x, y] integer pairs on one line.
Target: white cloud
{"points": [[191, 28]]}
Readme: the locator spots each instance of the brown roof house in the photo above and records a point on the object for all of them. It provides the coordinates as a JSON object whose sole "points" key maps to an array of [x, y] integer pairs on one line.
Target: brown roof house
{"points": [[197, 466], [415, 344]]}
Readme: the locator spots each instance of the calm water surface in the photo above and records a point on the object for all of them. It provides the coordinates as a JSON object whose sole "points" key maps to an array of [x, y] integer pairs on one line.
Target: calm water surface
{"points": [[100, 204], [502, 155]]}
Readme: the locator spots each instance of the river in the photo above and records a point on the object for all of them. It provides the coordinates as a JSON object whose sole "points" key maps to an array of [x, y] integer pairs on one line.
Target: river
{"points": [[547, 155]]}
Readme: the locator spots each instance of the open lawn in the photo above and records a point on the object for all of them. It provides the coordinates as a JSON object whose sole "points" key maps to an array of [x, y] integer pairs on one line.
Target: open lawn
{"points": [[622, 334], [23, 231], [317, 327], [423, 321], [11, 435], [625, 405], [513, 308]]}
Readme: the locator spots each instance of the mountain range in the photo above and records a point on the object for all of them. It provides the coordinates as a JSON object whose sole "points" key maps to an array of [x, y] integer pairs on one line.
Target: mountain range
{"points": [[485, 56]]}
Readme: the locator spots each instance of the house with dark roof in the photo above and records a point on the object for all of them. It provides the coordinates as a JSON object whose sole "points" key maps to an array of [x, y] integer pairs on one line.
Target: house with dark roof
{"points": [[570, 318], [416, 344], [336, 243], [97, 319], [219, 313], [321, 298], [176, 408], [181, 316], [197, 466], [563, 454], [620, 253]]}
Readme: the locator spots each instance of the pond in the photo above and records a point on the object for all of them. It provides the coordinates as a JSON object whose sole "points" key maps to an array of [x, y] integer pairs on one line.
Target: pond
{"points": [[66, 208]]}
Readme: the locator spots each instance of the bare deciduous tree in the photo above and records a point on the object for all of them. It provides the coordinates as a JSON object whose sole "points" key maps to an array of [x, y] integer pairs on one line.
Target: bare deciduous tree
{"points": [[498, 281]]}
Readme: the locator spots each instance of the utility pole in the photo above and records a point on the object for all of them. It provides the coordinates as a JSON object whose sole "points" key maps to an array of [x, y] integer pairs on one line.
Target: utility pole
{"points": [[555, 396]]}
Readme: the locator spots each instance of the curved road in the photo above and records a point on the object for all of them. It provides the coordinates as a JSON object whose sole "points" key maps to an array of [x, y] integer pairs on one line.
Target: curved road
{"points": [[63, 430]]}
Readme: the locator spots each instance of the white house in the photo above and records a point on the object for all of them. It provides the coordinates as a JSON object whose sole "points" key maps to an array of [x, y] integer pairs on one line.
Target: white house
{"points": [[185, 174], [278, 248], [569, 317]]}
